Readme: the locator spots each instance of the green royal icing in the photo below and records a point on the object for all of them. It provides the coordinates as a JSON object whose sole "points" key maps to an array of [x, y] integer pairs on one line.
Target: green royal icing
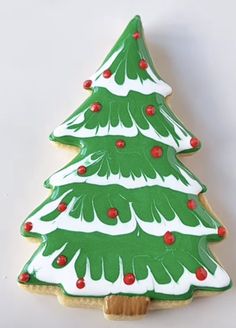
{"points": [[150, 194]]}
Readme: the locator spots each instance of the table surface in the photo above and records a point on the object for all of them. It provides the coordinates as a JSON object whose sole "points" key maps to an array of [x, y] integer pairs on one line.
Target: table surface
{"points": [[48, 48]]}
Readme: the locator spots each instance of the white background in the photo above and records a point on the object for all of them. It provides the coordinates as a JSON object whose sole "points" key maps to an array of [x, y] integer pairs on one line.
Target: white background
{"points": [[47, 49]]}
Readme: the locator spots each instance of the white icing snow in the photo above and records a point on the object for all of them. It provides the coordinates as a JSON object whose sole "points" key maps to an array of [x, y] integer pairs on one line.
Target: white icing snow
{"points": [[143, 86], [109, 130], [69, 175], [66, 222], [42, 267]]}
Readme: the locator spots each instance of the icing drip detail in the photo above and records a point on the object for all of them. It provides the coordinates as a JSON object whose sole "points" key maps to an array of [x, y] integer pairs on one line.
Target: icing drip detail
{"points": [[69, 175], [67, 222], [42, 267], [68, 128], [147, 86]]}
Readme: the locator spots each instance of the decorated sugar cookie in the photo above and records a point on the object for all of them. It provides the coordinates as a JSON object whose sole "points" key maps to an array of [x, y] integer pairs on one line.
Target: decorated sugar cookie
{"points": [[126, 227]]}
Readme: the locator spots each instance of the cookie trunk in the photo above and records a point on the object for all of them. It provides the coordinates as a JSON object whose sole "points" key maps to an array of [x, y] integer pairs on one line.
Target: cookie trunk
{"points": [[123, 307]]}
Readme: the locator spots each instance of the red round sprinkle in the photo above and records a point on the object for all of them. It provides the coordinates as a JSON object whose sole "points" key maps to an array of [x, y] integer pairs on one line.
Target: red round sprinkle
{"points": [[201, 273], [80, 283], [129, 279], [81, 170], [107, 73], [24, 277], [169, 238], [62, 207], [96, 107], [143, 64], [156, 152], [61, 260], [28, 226], [120, 143], [136, 35], [87, 84], [191, 204], [150, 110], [112, 213], [221, 231], [195, 142]]}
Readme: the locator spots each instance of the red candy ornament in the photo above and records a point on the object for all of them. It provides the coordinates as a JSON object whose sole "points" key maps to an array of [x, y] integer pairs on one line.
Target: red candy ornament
{"points": [[80, 283], [87, 84], [120, 143], [195, 142], [169, 238], [156, 152], [61, 260], [81, 170], [201, 273], [24, 277], [107, 73], [136, 35], [129, 279], [112, 213], [143, 64], [28, 226], [191, 204], [62, 207], [96, 107], [150, 110], [221, 231]]}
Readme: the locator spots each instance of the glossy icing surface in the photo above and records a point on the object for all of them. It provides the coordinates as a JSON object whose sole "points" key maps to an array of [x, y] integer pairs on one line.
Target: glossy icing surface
{"points": [[126, 117], [124, 215]]}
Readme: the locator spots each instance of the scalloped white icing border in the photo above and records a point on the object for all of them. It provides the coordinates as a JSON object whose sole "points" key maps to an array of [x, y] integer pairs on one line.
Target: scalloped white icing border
{"points": [[69, 175], [145, 87], [42, 267], [109, 130], [66, 222]]}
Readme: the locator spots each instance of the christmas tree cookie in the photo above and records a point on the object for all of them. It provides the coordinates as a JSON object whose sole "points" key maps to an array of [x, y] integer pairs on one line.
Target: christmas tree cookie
{"points": [[126, 227]]}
